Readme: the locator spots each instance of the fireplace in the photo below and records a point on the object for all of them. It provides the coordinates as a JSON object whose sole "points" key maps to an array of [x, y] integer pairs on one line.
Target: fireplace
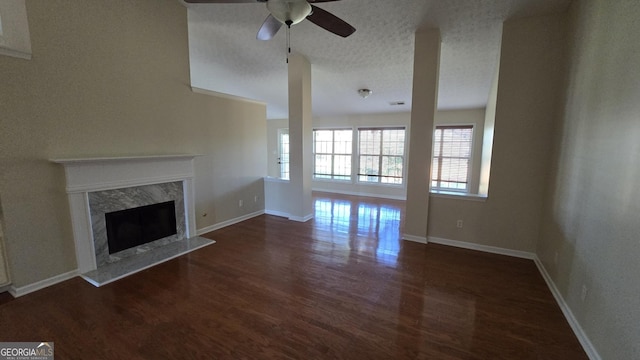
{"points": [[129, 213]]}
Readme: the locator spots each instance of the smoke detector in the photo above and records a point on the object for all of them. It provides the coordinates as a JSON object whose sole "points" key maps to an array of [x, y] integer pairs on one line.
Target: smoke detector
{"points": [[364, 93]]}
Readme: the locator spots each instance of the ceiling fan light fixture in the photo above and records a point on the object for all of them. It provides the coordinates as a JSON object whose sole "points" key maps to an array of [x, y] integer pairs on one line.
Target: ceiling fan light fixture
{"points": [[364, 93], [289, 10]]}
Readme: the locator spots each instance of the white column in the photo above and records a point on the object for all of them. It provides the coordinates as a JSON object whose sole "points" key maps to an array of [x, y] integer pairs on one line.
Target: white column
{"points": [[426, 66], [300, 138]]}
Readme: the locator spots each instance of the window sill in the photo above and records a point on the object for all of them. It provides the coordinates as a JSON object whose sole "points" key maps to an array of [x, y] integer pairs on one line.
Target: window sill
{"points": [[457, 195], [365, 183], [359, 183], [275, 179], [333, 181]]}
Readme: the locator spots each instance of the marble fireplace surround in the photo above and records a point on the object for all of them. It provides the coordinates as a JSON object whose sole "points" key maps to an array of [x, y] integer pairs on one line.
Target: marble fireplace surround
{"points": [[98, 185], [106, 201]]}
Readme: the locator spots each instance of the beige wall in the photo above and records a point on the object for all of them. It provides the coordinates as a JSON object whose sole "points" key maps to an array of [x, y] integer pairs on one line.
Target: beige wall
{"points": [[528, 86], [591, 214], [111, 78]]}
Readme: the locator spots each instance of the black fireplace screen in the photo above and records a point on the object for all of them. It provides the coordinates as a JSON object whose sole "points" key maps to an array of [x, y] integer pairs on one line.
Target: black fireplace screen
{"points": [[132, 227]]}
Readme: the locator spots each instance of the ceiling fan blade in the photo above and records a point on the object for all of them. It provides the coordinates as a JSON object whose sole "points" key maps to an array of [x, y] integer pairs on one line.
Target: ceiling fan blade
{"points": [[219, 1], [269, 28], [330, 22]]}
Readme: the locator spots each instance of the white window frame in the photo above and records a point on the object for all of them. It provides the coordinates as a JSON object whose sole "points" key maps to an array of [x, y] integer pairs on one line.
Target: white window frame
{"points": [[380, 157], [470, 159], [332, 176]]}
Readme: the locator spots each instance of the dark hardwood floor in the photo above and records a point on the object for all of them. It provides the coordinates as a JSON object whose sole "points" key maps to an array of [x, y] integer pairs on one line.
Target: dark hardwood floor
{"points": [[341, 286]]}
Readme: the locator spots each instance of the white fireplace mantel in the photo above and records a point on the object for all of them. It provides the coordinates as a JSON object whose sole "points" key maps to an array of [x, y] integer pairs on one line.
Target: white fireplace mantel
{"points": [[86, 175]]}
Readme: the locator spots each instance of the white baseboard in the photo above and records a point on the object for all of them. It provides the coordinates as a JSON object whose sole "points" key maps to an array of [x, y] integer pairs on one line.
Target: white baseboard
{"points": [[277, 213], [483, 248], [289, 216], [357, 193], [301, 219], [575, 326], [418, 239], [24, 290], [228, 222], [568, 314]]}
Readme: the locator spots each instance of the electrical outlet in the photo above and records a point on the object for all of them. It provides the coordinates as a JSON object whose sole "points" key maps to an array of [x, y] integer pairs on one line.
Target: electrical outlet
{"points": [[583, 295], [555, 259], [255, 198], [459, 224], [240, 203]]}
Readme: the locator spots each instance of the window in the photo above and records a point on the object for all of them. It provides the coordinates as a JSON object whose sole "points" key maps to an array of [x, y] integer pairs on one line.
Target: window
{"points": [[452, 158], [1, 32], [283, 153], [332, 154], [381, 155], [14, 30]]}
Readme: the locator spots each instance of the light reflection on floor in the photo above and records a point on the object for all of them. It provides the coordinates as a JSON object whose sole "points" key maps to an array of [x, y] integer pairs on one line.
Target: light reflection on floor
{"points": [[361, 226]]}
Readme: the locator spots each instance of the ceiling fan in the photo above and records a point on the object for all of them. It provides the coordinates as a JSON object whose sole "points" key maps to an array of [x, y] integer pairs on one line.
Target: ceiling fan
{"points": [[291, 12]]}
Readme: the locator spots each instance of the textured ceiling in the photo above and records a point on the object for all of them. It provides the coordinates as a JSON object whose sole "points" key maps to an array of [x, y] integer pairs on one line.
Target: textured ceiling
{"points": [[226, 57]]}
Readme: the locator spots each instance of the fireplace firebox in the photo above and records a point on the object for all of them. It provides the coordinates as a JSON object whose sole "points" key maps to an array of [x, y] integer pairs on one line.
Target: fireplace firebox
{"points": [[140, 225]]}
